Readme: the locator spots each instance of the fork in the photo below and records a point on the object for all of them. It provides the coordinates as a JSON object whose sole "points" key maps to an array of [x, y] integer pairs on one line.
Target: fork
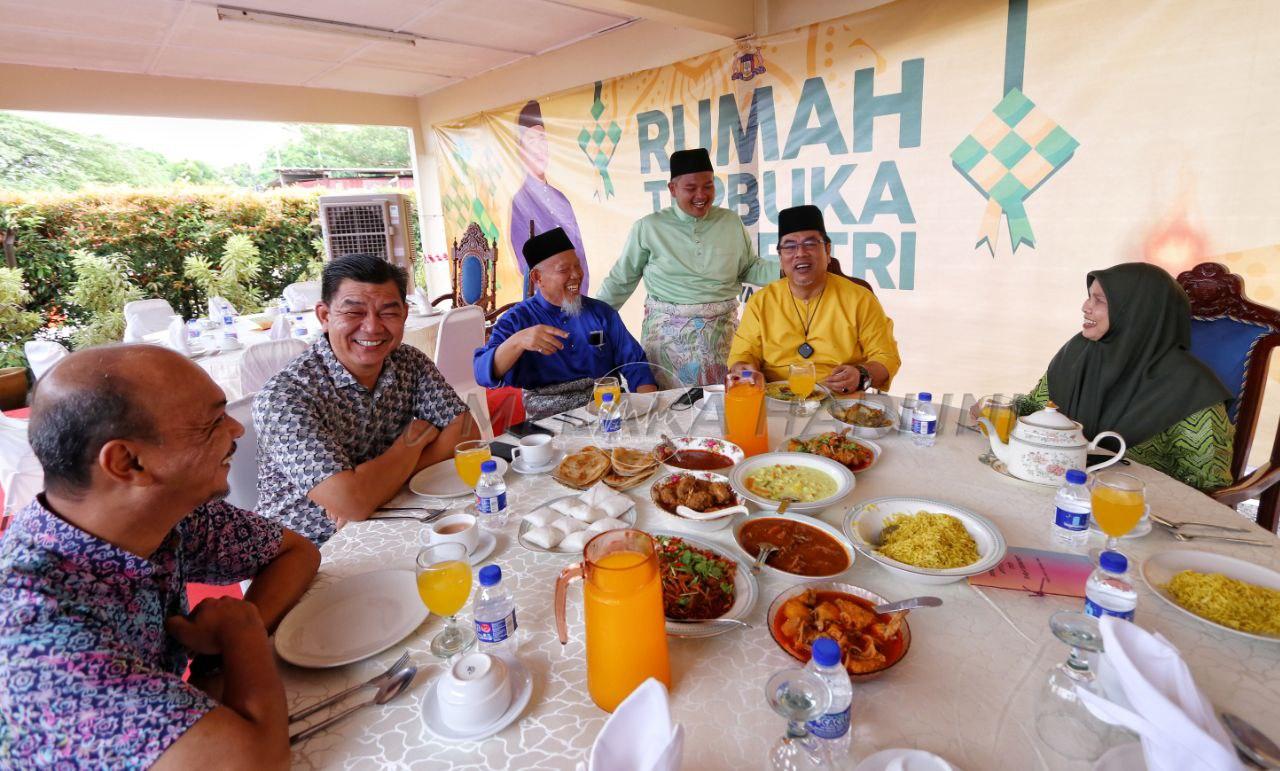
{"points": [[1175, 524], [429, 515], [1181, 536], [374, 682]]}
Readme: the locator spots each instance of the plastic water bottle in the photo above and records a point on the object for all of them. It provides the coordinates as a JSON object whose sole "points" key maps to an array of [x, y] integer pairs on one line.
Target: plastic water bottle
{"points": [[1109, 591], [833, 727], [494, 615], [609, 425], [491, 497], [924, 421], [1071, 515], [229, 333], [193, 332]]}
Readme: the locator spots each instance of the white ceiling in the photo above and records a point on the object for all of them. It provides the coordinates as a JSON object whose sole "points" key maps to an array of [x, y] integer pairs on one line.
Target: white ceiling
{"points": [[184, 38]]}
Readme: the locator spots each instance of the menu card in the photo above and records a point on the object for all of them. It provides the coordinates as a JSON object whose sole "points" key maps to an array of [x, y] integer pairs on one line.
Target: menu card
{"points": [[1038, 572]]}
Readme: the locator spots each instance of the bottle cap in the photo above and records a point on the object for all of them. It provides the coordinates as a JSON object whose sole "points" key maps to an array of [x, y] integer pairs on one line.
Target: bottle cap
{"points": [[826, 652], [924, 396], [1113, 562], [489, 465], [607, 397], [1076, 477], [490, 575]]}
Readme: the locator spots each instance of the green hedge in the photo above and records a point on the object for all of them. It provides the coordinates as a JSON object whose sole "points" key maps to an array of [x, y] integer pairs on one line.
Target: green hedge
{"points": [[155, 230]]}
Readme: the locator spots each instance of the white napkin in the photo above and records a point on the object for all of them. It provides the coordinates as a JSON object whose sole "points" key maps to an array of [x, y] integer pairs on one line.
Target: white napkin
{"points": [[178, 335], [639, 735], [424, 303], [281, 328], [217, 306], [1177, 724]]}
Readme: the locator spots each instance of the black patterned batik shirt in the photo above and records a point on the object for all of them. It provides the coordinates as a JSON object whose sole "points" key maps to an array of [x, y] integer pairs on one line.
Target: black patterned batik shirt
{"points": [[314, 420]]}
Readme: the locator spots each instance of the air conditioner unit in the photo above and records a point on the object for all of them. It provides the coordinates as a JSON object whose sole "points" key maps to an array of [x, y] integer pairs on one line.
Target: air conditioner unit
{"points": [[368, 224]]}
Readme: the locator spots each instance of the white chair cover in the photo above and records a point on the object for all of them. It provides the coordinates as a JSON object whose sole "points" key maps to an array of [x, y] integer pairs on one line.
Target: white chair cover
{"points": [[302, 296], [43, 354], [262, 360], [21, 476], [461, 332], [243, 477], [142, 317]]}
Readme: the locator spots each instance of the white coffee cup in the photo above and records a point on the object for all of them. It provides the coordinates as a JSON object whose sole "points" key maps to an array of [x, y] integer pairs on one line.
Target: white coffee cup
{"points": [[474, 691], [457, 528], [536, 450]]}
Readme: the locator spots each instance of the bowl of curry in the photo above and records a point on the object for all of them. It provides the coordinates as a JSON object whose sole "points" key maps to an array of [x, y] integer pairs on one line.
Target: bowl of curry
{"points": [[869, 642], [699, 453], [807, 548]]}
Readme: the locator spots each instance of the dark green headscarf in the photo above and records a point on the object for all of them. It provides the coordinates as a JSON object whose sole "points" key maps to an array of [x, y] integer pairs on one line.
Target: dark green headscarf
{"points": [[1140, 378]]}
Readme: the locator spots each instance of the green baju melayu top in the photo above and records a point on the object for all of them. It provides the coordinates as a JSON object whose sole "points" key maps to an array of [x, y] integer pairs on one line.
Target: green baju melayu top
{"points": [[1195, 450], [686, 260]]}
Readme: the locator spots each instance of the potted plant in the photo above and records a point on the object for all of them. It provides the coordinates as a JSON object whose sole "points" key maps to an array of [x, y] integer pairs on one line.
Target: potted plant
{"points": [[233, 279], [16, 326], [101, 288]]}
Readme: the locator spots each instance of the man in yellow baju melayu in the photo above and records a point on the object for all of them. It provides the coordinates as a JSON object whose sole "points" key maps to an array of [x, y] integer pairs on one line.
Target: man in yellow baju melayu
{"points": [[816, 316]]}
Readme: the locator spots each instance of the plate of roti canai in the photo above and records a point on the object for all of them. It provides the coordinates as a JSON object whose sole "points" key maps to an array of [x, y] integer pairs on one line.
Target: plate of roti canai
{"points": [[583, 468], [630, 467]]}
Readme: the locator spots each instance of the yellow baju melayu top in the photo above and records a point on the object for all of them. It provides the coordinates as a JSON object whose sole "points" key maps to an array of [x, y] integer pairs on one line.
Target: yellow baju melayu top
{"points": [[849, 326]]}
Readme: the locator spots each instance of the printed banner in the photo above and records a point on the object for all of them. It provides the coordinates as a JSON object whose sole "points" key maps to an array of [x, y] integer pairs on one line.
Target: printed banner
{"points": [[973, 160]]}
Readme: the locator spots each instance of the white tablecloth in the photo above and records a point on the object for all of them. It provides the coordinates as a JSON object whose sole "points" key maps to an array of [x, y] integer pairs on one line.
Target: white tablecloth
{"points": [[224, 367], [966, 689]]}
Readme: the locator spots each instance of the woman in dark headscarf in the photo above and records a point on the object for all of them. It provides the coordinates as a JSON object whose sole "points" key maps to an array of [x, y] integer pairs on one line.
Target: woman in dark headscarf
{"points": [[1130, 371]]}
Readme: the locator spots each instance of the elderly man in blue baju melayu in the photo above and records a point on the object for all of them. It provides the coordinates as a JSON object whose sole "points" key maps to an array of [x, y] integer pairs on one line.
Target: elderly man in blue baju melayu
{"points": [[555, 344]]}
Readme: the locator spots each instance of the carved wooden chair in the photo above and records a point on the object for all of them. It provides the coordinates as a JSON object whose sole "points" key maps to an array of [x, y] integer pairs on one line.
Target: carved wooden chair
{"points": [[474, 275], [1235, 337]]}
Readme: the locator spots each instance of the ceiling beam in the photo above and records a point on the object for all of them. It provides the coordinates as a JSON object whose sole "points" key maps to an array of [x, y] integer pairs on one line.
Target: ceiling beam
{"points": [[728, 18]]}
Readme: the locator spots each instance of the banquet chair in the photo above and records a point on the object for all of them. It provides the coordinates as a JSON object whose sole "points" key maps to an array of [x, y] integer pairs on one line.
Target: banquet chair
{"points": [[243, 477], [43, 354], [262, 360], [21, 476], [142, 317], [1235, 336], [459, 334], [302, 296]]}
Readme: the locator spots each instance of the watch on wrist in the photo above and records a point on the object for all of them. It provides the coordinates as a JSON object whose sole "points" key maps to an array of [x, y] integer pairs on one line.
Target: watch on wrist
{"points": [[864, 378]]}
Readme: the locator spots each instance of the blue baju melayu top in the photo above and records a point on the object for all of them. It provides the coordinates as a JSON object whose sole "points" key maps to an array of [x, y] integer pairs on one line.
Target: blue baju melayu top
{"points": [[598, 345]]}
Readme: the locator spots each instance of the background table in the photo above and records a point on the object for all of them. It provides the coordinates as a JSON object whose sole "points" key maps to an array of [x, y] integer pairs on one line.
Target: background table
{"points": [[966, 690], [224, 366]]}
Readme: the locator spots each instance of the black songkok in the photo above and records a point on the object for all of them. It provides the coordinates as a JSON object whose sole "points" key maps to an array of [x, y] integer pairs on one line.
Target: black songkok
{"points": [[690, 161], [545, 246]]}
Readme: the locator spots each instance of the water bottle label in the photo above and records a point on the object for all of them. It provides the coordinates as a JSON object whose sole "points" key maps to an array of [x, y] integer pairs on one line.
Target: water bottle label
{"points": [[1072, 520], [832, 725], [610, 425], [496, 631], [491, 504], [1097, 611], [927, 426]]}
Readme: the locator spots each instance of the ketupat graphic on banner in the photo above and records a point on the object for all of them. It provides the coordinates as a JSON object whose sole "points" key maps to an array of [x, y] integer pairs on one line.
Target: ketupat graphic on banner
{"points": [[870, 116]]}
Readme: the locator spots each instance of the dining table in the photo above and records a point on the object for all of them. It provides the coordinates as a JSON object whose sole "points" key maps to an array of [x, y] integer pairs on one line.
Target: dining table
{"points": [[965, 690], [224, 365]]}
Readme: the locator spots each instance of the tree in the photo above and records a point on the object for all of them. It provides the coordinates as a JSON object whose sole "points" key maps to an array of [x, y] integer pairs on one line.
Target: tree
{"points": [[314, 146], [232, 279], [194, 173], [36, 156], [101, 289], [16, 324]]}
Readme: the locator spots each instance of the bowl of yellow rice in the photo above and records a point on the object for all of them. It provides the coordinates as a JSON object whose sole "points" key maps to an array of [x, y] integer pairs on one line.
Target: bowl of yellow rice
{"points": [[1228, 593], [923, 540]]}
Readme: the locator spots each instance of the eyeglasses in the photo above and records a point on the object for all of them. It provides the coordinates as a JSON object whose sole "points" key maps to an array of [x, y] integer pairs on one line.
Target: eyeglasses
{"points": [[791, 247]]}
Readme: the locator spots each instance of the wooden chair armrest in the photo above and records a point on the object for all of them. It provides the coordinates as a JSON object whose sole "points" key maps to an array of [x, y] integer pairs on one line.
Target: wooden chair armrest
{"points": [[492, 317], [1252, 486], [441, 299]]}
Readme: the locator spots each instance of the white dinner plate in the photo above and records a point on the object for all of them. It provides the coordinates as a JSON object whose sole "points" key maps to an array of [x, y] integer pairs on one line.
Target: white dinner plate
{"points": [[441, 480], [1158, 570], [863, 523], [839, 474], [628, 516], [904, 760], [351, 619], [745, 591], [521, 693]]}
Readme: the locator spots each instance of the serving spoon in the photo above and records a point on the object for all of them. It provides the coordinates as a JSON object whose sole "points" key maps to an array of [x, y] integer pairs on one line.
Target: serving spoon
{"points": [[704, 516], [1251, 742], [908, 604], [766, 550]]}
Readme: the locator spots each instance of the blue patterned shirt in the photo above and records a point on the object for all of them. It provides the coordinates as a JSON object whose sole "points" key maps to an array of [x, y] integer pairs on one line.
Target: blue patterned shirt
{"points": [[88, 676]]}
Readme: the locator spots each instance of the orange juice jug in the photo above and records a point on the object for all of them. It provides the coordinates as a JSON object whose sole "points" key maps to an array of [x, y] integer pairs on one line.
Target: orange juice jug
{"points": [[745, 421], [622, 606]]}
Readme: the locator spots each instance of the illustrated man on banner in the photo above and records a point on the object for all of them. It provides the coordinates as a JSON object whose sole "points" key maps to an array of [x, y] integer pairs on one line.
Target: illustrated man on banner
{"points": [[537, 200]]}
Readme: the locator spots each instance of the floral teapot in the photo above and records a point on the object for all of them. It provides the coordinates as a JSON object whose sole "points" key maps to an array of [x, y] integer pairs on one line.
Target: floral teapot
{"points": [[1045, 445]]}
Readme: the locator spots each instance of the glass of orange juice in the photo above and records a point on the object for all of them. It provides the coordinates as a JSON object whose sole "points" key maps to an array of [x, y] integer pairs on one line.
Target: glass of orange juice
{"points": [[607, 385], [444, 584], [745, 421], [801, 378], [467, 458], [1000, 411], [1118, 502]]}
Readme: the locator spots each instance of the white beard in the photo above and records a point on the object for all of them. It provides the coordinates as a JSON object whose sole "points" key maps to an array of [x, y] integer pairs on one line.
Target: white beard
{"points": [[571, 306]]}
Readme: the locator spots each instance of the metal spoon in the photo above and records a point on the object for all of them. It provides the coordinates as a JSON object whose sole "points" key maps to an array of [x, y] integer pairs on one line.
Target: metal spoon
{"points": [[766, 549], [908, 604], [377, 681], [730, 621], [1251, 742], [1181, 536], [783, 504], [1175, 524], [389, 690]]}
